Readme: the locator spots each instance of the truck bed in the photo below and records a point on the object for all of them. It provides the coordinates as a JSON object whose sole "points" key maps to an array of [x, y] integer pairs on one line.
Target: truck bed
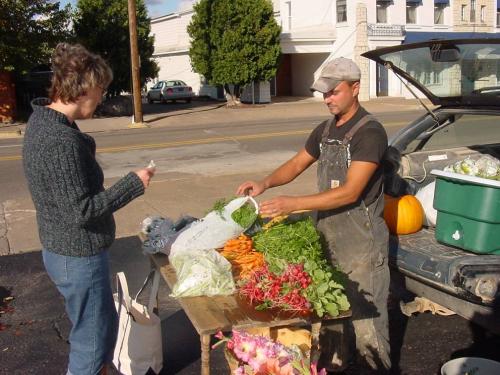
{"points": [[421, 255]]}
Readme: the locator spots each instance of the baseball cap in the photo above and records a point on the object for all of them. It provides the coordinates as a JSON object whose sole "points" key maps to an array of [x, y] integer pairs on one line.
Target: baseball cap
{"points": [[334, 72]]}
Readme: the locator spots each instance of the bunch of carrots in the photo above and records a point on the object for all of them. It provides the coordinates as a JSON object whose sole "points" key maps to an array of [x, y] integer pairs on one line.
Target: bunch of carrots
{"points": [[242, 256]]}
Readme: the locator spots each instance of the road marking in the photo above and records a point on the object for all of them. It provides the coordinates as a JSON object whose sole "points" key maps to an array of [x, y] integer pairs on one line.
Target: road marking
{"points": [[9, 158], [195, 141], [183, 143]]}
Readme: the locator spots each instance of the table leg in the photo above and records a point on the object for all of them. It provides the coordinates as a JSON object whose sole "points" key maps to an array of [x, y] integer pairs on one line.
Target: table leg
{"points": [[315, 349], [205, 354]]}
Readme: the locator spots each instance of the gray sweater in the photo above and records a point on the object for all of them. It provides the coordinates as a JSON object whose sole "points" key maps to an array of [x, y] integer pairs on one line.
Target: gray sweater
{"points": [[74, 211]]}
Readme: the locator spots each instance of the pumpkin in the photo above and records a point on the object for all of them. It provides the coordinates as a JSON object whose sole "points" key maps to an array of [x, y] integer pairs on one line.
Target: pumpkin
{"points": [[403, 215]]}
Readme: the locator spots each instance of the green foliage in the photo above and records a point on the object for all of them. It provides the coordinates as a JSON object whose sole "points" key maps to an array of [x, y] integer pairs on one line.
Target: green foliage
{"points": [[199, 31], [29, 30], [245, 215], [298, 242], [219, 205], [234, 41], [102, 27]]}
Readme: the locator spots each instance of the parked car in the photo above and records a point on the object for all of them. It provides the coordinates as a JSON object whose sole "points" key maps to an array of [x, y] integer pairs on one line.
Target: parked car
{"points": [[170, 90], [462, 79]]}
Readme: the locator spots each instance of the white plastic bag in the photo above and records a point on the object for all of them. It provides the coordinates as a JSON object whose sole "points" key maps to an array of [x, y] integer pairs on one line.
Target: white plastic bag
{"points": [[139, 344], [485, 166], [426, 198], [202, 273], [213, 230]]}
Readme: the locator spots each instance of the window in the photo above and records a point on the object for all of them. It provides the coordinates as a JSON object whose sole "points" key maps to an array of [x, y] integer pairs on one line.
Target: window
{"points": [[498, 15], [463, 13], [439, 13], [411, 12], [483, 13], [472, 10], [289, 9], [463, 131], [382, 11], [341, 10]]}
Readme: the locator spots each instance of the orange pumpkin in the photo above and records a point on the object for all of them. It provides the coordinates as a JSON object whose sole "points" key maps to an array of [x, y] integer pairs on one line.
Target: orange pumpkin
{"points": [[403, 215]]}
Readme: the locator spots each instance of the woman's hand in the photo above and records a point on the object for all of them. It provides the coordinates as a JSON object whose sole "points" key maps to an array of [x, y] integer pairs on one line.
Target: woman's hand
{"points": [[145, 174], [251, 188]]}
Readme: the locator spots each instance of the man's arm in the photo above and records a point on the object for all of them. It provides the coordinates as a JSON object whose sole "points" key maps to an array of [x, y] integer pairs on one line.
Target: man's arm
{"points": [[284, 174], [358, 176]]}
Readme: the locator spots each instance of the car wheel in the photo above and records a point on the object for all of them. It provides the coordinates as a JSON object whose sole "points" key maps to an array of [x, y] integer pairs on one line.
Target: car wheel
{"points": [[188, 100], [150, 101], [162, 99], [174, 101]]}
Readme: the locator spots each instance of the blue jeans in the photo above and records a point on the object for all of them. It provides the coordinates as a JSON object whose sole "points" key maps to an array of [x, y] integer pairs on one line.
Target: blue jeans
{"points": [[85, 285]]}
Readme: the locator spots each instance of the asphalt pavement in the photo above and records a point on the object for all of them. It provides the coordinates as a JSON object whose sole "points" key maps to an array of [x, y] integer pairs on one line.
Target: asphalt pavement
{"points": [[33, 325]]}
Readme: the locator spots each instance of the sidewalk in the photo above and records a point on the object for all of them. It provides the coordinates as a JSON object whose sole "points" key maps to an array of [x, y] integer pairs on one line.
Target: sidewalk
{"points": [[164, 115]]}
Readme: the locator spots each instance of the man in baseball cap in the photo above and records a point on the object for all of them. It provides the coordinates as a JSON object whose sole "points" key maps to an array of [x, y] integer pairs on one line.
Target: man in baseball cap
{"points": [[348, 148]]}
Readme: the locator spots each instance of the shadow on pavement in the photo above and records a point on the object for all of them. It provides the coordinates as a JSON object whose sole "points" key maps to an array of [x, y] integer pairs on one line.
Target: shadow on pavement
{"points": [[164, 110], [34, 340], [484, 344]]}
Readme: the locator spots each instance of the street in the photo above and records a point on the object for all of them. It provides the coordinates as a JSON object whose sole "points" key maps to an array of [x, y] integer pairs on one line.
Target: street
{"points": [[201, 155]]}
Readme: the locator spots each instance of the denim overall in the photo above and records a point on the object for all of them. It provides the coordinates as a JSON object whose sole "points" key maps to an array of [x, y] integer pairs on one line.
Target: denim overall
{"points": [[357, 238]]}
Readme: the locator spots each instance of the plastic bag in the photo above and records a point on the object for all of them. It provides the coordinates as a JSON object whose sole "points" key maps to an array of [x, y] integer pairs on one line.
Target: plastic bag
{"points": [[162, 232], [426, 198], [213, 230], [486, 166], [202, 273]]}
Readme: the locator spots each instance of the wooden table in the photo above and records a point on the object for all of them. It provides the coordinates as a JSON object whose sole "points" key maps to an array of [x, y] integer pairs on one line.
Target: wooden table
{"points": [[224, 313]]}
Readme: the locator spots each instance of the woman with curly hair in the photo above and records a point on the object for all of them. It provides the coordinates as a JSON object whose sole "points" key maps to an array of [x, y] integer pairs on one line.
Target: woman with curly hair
{"points": [[74, 211]]}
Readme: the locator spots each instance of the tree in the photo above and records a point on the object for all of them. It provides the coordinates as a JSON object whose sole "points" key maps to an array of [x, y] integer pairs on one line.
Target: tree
{"points": [[102, 27], [29, 29], [234, 41]]}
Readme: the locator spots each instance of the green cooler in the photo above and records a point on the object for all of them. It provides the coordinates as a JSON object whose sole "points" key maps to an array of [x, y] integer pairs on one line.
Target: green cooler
{"points": [[468, 212]]}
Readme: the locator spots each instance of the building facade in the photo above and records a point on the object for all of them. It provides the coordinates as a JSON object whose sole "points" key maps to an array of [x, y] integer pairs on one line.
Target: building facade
{"points": [[311, 35]]}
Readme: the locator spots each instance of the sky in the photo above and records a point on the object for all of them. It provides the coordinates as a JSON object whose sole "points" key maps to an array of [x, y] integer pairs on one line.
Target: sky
{"points": [[156, 8]]}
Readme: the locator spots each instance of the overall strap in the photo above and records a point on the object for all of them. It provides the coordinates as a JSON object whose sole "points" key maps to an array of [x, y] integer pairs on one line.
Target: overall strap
{"points": [[365, 119], [326, 129]]}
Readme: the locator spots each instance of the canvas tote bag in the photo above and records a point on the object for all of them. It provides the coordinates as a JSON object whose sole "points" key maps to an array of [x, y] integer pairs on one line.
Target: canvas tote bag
{"points": [[139, 343]]}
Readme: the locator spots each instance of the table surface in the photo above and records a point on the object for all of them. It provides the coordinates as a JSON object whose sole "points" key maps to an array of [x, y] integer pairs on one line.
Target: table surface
{"points": [[223, 313]]}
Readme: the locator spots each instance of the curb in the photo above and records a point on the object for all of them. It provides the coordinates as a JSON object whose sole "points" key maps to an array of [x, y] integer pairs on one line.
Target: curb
{"points": [[10, 134]]}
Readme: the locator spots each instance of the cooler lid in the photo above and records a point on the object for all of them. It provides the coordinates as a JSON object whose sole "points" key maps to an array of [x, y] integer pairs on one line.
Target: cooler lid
{"points": [[463, 177]]}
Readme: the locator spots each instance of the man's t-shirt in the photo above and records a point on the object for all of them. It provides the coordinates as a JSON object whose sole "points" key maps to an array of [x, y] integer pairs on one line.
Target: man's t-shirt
{"points": [[368, 144]]}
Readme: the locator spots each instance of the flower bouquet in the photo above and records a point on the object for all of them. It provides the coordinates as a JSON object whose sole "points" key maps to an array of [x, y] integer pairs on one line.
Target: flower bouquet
{"points": [[259, 355]]}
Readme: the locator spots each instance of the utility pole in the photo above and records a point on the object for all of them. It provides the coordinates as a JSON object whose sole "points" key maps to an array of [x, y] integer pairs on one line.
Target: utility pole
{"points": [[134, 59]]}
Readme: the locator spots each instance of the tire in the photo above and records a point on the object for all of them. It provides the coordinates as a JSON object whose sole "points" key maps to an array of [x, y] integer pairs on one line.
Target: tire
{"points": [[162, 99], [188, 100], [150, 101]]}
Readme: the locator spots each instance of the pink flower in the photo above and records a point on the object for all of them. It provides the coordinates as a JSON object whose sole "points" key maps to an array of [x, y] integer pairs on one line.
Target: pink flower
{"points": [[258, 365]]}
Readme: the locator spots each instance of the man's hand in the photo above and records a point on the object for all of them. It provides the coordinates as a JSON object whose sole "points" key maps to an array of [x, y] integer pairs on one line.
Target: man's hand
{"points": [[251, 188], [145, 174], [281, 205]]}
